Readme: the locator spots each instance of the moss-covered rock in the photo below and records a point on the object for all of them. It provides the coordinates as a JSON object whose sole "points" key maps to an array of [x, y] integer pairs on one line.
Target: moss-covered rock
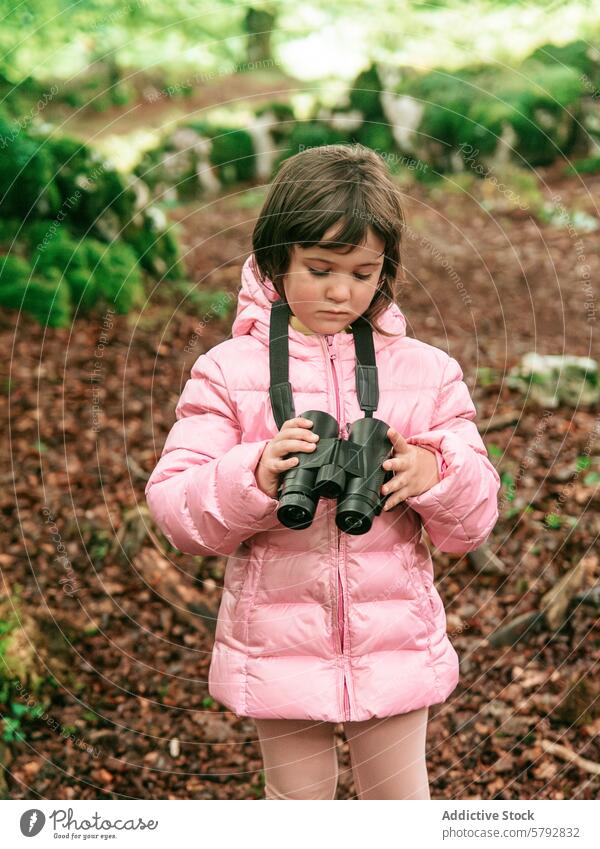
{"points": [[283, 119], [46, 298], [365, 95], [89, 184], [27, 186], [155, 243], [70, 277], [579, 54], [554, 379], [589, 165]]}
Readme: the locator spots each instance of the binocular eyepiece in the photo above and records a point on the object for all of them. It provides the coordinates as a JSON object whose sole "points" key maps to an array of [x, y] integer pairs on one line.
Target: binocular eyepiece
{"points": [[349, 470]]}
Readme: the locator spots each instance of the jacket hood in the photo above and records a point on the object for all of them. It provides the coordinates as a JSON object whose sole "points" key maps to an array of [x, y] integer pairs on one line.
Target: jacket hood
{"points": [[254, 310]]}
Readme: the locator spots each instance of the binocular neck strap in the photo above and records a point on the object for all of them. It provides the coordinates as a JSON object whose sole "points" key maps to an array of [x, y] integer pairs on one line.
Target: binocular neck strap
{"points": [[280, 390]]}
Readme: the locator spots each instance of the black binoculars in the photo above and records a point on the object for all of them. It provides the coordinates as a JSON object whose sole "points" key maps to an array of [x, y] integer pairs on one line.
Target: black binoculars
{"points": [[349, 470]]}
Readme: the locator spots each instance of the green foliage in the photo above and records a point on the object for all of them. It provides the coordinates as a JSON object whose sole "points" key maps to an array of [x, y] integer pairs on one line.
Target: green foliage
{"points": [[365, 95], [589, 165], [487, 376], [508, 482], [284, 117], [232, 153], [64, 191], [376, 136], [26, 174], [544, 108], [19, 95], [577, 54], [470, 109], [46, 298], [69, 275], [553, 521], [312, 134], [231, 150], [89, 185], [12, 712], [155, 244]]}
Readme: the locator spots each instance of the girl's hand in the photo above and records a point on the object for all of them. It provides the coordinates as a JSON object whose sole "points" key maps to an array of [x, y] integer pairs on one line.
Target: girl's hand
{"points": [[415, 470], [294, 436]]}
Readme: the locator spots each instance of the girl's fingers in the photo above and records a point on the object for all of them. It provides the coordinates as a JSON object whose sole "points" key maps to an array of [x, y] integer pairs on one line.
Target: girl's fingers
{"points": [[401, 446], [285, 464], [298, 421], [394, 500], [396, 464], [290, 446], [395, 484], [299, 433]]}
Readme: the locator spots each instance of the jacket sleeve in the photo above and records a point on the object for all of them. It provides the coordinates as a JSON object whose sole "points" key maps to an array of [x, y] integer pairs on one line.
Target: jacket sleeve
{"points": [[461, 509], [203, 492]]}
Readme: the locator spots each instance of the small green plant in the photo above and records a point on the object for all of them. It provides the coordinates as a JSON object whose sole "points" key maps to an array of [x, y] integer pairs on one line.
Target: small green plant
{"points": [[583, 462], [521, 585], [13, 722], [553, 521], [509, 483], [487, 376], [589, 165]]}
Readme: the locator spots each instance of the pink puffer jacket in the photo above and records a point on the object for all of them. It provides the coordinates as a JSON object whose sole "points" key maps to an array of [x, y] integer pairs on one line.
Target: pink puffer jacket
{"points": [[316, 623]]}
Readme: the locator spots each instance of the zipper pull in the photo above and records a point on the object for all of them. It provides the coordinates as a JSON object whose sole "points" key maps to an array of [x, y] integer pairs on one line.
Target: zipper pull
{"points": [[329, 340]]}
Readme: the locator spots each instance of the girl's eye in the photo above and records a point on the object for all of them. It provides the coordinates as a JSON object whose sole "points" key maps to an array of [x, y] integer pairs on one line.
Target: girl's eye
{"points": [[318, 273]]}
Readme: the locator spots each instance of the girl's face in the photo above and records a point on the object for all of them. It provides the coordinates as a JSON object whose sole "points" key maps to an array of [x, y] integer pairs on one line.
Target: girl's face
{"points": [[322, 280]]}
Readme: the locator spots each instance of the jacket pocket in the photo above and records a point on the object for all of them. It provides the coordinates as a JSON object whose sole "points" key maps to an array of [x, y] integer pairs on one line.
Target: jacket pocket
{"points": [[234, 578], [418, 599], [252, 566], [424, 590], [429, 589]]}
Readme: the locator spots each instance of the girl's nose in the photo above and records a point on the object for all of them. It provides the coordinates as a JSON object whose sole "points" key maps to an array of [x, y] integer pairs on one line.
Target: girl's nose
{"points": [[339, 287]]}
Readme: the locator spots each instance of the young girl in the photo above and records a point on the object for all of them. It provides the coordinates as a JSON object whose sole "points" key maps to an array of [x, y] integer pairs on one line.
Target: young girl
{"points": [[318, 626]]}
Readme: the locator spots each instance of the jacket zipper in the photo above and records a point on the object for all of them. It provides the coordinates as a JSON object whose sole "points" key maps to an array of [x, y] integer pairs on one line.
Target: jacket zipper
{"points": [[340, 593]]}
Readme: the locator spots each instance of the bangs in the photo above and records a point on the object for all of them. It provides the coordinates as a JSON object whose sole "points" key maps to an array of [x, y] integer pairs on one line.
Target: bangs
{"points": [[345, 206]]}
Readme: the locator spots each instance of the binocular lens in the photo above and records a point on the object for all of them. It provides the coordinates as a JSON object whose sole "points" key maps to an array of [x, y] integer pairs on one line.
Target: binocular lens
{"points": [[296, 511], [353, 523]]}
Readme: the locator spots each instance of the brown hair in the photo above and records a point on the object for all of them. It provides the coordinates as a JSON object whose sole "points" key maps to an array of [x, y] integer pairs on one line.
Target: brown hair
{"points": [[311, 192]]}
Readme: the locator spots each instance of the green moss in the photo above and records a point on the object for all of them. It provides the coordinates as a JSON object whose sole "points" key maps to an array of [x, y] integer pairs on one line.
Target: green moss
{"points": [[27, 185], [577, 54], [155, 244], [48, 300], [89, 187], [590, 165], [232, 153], [365, 94], [284, 114], [376, 136], [473, 107], [311, 134]]}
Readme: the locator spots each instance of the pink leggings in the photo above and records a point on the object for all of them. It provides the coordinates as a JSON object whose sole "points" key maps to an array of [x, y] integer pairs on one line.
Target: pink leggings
{"points": [[387, 757]]}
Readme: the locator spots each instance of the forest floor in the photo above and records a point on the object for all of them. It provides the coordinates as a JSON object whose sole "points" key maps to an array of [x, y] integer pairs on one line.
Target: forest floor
{"points": [[126, 644]]}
